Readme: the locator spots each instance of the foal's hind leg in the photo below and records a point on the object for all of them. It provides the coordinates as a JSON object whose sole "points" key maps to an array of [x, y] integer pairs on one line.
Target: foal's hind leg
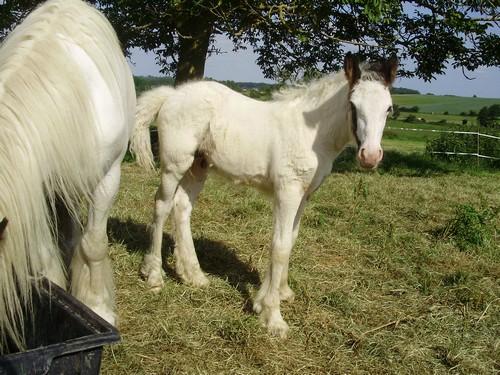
{"points": [[92, 276], [171, 174], [186, 261]]}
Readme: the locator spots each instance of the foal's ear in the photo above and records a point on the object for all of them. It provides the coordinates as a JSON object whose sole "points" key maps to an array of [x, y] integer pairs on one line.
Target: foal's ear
{"points": [[3, 225], [351, 69], [389, 69]]}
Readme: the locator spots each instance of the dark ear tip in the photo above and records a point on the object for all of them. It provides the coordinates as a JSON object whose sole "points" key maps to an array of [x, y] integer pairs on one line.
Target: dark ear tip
{"points": [[393, 60], [3, 225], [348, 57]]}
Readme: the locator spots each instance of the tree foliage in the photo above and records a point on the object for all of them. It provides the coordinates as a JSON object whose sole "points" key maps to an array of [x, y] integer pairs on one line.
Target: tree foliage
{"points": [[304, 37], [489, 117]]}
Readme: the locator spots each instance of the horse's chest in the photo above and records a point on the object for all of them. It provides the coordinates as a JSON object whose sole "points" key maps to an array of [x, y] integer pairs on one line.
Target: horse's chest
{"points": [[311, 170]]}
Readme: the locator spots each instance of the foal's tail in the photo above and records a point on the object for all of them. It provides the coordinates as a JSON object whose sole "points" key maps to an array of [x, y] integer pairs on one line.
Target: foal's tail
{"points": [[148, 106]]}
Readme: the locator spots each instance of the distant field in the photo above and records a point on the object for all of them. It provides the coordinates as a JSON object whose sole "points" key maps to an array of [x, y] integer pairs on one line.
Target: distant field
{"points": [[431, 113], [444, 103], [436, 117]]}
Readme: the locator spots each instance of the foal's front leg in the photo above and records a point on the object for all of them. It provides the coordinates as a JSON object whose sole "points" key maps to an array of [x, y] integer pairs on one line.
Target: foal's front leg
{"points": [[287, 209], [286, 293]]}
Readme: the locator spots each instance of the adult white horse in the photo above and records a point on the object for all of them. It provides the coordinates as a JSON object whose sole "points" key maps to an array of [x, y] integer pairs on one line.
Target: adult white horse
{"points": [[284, 147], [67, 103]]}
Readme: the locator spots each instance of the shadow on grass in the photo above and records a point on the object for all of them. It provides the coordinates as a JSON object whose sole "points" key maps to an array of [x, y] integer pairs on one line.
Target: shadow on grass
{"points": [[398, 163], [215, 258], [414, 164]]}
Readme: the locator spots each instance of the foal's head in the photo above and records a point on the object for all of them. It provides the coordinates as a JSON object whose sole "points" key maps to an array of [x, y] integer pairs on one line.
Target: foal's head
{"points": [[370, 102]]}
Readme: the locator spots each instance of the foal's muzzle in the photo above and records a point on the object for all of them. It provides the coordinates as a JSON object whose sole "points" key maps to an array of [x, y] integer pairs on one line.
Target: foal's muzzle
{"points": [[369, 158]]}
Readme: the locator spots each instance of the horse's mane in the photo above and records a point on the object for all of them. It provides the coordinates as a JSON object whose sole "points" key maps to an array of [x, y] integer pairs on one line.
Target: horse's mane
{"points": [[317, 89], [59, 19], [314, 89], [48, 141]]}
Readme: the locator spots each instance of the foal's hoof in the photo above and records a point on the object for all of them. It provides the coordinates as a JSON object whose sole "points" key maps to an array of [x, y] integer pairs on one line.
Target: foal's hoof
{"points": [[197, 279], [274, 323], [278, 329], [200, 281], [155, 281], [155, 288], [257, 307], [152, 272]]}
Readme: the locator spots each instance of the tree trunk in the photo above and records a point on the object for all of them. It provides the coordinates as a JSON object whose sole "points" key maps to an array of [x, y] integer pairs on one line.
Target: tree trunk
{"points": [[194, 40]]}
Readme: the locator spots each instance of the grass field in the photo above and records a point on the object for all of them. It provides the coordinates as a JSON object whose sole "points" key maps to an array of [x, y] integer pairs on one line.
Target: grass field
{"points": [[444, 103], [405, 140], [431, 116], [384, 282]]}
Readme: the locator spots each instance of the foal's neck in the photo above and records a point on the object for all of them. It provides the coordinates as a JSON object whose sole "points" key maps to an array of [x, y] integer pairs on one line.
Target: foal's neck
{"points": [[334, 128]]}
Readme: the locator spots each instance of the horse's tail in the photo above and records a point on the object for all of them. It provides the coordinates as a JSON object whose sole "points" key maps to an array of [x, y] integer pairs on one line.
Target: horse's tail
{"points": [[148, 106]]}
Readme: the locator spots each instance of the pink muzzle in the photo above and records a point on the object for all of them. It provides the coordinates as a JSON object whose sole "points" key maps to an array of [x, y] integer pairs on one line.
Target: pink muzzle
{"points": [[368, 158]]}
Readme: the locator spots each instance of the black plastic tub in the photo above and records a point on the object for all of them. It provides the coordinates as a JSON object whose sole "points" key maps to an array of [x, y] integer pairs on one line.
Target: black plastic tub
{"points": [[64, 337]]}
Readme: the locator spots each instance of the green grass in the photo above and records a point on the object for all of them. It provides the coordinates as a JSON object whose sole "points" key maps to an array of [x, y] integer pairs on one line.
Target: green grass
{"points": [[381, 286], [444, 103], [432, 120], [407, 140], [419, 132]]}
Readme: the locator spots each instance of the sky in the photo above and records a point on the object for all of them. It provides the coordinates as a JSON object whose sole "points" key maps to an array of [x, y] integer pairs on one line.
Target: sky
{"points": [[241, 67]]}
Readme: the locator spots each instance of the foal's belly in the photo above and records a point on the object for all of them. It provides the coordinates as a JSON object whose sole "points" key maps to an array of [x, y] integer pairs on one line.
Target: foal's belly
{"points": [[242, 168]]}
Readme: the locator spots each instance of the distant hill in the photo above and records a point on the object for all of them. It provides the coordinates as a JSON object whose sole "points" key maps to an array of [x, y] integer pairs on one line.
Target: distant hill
{"points": [[403, 91]]}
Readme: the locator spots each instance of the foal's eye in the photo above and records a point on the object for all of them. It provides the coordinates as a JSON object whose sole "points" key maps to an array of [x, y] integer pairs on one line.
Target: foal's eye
{"points": [[353, 107]]}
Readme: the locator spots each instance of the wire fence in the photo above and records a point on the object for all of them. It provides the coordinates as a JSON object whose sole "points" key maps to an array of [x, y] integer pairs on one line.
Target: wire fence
{"points": [[479, 135]]}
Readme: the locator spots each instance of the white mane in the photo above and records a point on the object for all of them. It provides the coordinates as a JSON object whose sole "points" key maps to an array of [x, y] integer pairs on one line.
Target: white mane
{"points": [[320, 88], [312, 91]]}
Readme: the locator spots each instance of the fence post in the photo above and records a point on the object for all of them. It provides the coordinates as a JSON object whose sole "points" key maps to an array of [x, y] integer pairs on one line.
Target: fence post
{"points": [[477, 157]]}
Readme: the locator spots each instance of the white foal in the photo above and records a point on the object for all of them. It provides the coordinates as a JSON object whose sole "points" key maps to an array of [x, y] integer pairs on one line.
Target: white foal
{"points": [[284, 147]]}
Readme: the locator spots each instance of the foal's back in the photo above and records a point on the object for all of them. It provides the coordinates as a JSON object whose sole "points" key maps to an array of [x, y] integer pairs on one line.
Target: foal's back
{"points": [[240, 138]]}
